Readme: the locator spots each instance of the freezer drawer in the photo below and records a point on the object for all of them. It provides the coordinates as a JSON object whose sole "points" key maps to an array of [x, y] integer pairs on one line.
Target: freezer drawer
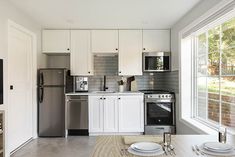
{"points": [[77, 114]]}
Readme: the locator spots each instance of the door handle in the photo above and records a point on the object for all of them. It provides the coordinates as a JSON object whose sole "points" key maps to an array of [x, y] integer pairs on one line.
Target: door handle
{"points": [[11, 87], [41, 79], [41, 95]]}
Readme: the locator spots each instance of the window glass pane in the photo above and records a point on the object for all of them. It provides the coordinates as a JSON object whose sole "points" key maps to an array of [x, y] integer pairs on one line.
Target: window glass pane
{"points": [[202, 44], [228, 34], [202, 107], [228, 115], [214, 39], [202, 86], [228, 89], [202, 97], [228, 61], [213, 110], [202, 65], [213, 63], [213, 88]]}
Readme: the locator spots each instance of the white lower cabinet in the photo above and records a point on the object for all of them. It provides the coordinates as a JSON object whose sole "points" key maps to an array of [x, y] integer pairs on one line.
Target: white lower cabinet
{"points": [[110, 114], [116, 114], [131, 114], [96, 114]]}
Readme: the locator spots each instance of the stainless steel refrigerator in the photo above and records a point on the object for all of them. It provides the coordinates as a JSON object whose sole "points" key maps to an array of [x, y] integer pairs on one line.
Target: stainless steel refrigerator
{"points": [[51, 102]]}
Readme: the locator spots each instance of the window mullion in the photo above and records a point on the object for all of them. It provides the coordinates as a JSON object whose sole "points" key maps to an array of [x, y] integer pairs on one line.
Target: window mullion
{"points": [[220, 73], [207, 53]]}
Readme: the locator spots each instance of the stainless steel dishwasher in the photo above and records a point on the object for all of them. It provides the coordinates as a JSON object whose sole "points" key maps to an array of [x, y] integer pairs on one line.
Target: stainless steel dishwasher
{"points": [[77, 115]]}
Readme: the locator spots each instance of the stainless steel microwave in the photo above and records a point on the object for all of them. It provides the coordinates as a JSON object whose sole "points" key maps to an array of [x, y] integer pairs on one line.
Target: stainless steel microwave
{"points": [[156, 61]]}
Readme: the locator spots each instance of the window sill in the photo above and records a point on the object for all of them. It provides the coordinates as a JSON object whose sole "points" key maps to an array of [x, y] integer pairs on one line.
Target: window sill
{"points": [[198, 126]]}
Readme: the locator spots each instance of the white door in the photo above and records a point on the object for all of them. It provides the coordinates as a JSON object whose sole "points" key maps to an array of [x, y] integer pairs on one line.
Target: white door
{"points": [[110, 114], [20, 109], [104, 41], [56, 41], [130, 52], [80, 56], [131, 113], [156, 40], [96, 114]]}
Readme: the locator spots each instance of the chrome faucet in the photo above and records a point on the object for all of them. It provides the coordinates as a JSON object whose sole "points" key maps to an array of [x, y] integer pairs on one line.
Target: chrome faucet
{"points": [[104, 87]]}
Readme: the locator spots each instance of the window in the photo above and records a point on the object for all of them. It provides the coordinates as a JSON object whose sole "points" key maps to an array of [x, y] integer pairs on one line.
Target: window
{"points": [[214, 73]]}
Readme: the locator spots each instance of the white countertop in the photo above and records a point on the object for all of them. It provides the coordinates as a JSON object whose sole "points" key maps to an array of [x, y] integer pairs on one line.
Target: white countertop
{"points": [[104, 93]]}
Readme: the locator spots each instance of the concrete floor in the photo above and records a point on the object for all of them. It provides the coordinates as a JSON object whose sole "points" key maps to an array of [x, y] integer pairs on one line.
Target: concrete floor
{"points": [[73, 146]]}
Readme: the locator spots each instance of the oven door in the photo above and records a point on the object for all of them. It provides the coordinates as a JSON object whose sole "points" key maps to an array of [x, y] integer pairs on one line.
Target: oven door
{"points": [[156, 62], [159, 113]]}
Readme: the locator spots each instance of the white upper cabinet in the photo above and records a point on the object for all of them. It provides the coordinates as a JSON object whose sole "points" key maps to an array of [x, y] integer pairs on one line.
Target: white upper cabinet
{"points": [[156, 40], [81, 58], [131, 113], [56, 41], [104, 41], [130, 52]]}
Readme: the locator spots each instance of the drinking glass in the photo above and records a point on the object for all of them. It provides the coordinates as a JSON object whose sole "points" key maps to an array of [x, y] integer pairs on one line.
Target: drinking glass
{"points": [[167, 138], [222, 134]]}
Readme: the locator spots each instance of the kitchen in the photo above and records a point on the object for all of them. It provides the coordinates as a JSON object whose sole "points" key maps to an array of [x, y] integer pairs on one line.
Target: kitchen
{"points": [[92, 83]]}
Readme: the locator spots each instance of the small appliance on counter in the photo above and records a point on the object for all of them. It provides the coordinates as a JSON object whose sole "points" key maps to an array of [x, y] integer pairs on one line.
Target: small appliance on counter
{"points": [[81, 84]]}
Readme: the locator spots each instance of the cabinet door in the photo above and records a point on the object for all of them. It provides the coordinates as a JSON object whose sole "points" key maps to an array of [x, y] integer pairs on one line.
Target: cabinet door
{"points": [[104, 41], [96, 114], [81, 58], [56, 41], [131, 113], [110, 114], [156, 40], [130, 52]]}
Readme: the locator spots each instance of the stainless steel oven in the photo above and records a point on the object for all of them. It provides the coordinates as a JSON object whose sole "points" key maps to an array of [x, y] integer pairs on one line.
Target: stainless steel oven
{"points": [[156, 61], [159, 112]]}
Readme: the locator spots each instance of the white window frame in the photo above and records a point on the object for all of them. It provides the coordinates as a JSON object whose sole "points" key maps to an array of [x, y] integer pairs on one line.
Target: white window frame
{"points": [[188, 118]]}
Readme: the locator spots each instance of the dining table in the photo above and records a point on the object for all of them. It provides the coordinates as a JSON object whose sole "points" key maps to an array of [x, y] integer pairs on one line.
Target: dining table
{"points": [[113, 145]]}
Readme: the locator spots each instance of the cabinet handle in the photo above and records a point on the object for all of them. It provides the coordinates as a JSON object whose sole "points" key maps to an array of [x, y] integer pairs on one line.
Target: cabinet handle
{"points": [[104, 98], [120, 72], [101, 98], [89, 72], [116, 48], [143, 48], [119, 98]]}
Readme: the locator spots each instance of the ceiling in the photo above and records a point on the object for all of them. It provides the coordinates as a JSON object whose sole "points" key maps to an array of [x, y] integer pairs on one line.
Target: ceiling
{"points": [[148, 14]]}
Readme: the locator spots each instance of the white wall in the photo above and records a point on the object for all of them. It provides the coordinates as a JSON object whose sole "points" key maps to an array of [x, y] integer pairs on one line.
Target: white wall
{"points": [[8, 11], [195, 13]]}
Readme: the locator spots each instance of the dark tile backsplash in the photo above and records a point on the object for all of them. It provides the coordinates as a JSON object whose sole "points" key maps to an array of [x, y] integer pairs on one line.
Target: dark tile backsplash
{"points": [[108, 65]]}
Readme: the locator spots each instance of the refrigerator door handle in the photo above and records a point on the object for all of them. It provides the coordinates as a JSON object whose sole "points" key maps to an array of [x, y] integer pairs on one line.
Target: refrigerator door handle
{"points": [[41, 79], [41, 94]]}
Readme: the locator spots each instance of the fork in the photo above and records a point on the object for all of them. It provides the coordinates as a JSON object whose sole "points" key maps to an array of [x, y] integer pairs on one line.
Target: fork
{"points": [[124, 152], [197, 148], [194, 150]]}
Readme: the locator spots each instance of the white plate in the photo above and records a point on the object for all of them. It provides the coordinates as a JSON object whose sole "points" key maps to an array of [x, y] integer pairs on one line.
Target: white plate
{"points": [[159, 152], [216, 146], [224, 154], [146, 146]]}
